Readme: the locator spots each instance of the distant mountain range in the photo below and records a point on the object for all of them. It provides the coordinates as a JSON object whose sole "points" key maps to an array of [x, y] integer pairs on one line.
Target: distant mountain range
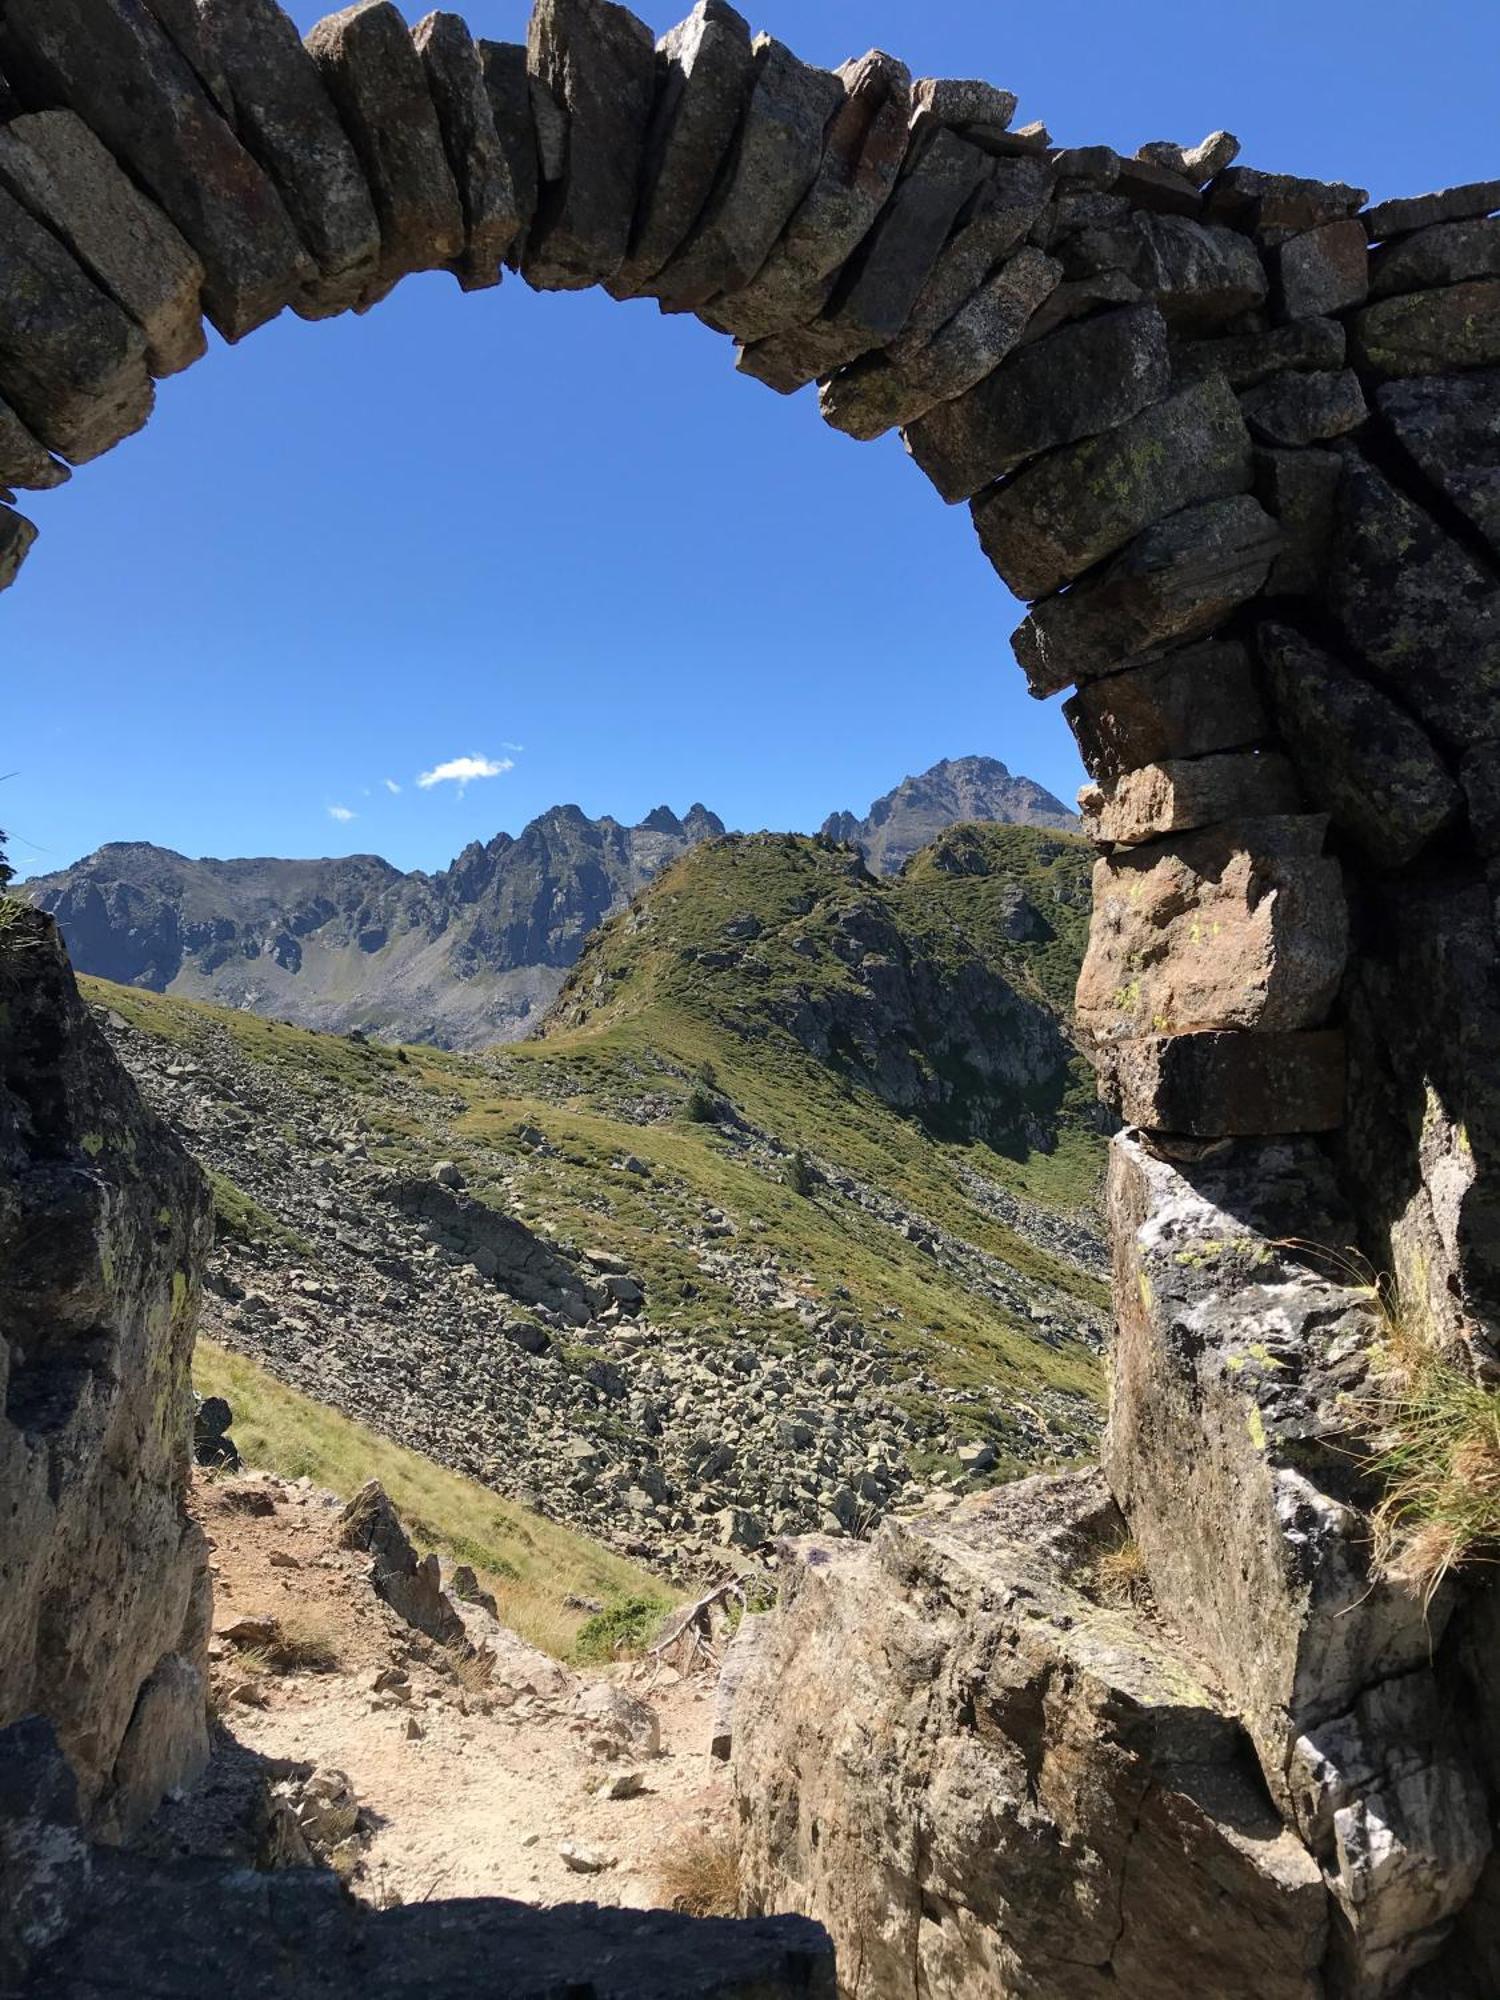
{"points": [[472, 955]]}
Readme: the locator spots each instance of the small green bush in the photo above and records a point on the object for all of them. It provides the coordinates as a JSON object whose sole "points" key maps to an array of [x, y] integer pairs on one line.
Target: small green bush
{"points": [[800, 1177], [618, 1633]]}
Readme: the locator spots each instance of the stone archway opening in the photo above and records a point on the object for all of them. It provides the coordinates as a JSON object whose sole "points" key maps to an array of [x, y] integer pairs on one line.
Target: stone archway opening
{"points": [[1231, 435]]}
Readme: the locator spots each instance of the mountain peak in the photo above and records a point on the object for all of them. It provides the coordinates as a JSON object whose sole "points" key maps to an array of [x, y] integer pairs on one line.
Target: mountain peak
{"points": [[955, 790]]}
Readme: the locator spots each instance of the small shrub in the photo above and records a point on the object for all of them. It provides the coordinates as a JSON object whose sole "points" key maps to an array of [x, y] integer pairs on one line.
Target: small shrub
{"points": [[619, 1633], [800, 1177], [700, 1875], [701, 1106]]}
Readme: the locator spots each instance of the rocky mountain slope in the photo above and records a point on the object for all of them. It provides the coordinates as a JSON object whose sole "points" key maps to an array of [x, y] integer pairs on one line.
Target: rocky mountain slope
{"points": [[957, 789], [470, 956], [758, 1238]]}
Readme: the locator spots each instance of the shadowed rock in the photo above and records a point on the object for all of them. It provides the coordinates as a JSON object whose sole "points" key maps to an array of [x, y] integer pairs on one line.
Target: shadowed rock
{"points": [[455, 77]]}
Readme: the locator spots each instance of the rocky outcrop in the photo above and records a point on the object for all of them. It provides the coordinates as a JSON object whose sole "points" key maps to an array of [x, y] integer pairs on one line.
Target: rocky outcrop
{"points": [[103, 1237]]}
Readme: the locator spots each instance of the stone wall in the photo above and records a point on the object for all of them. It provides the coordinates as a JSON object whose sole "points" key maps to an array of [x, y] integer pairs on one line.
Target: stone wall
{"points": [[1233, 437]]}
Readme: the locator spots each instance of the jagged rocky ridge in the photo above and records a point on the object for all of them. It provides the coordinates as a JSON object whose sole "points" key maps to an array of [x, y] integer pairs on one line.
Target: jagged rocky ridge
{"points": [[471, 955], [956, 790]]}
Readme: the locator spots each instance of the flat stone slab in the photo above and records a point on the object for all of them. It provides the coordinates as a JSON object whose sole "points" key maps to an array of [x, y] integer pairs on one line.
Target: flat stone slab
{"points": [[598, 63], [112, 63], [53, 164], [275, 99], [1079, 381], [374, 75], [466, 115], [1323, 271], [1216, 1086], [1301, 409], [1422, 211], [1175, 582], [1244, 359], [1201, 699], [1057, 518], [508, 87], [1448, 254], [1451, 427], [1181, 793], [1430, 333]]}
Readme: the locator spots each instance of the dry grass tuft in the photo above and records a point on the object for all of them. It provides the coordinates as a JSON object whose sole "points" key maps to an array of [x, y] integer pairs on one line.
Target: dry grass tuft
{"points": [[301, 1642], [700, 1874], [1438, 1457], [1119, 1576], [471, 1667]]}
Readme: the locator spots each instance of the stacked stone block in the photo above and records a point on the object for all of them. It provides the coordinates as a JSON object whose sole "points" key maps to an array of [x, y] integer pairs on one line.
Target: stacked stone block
{"points": [[1232, 435]]}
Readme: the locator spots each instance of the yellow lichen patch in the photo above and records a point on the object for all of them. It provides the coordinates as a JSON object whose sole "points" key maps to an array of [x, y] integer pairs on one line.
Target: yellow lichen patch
{"points": [[1255, 1424]]}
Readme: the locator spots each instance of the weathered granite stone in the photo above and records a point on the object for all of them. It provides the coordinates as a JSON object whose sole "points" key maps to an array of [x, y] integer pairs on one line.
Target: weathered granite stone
{"points": [[1181, 793], [165, 1748], [1240, 925], [966, 105], [992, 226], [1058, 517], [598, 62], [509, 89], [880, 392], [983, 1781], [185, 24], [1175, 582], [1299, 409], [455, 77], [53, 164], [374, 76], [875, 295], [1450, 426], [1202, 699], [1430, 333], [1362, 759], [1325, 270], [1081, 380], [705, 69], [1265, 204], [1300, 488], [1201, 275], [1444, 255], [1424, 211], [271, 94], [1216, 1086], [1198, 163], [23, 462], [1417, 608], [413, 1589], [16, 537], [1082, 298], [1071, 210], [777, 151], [112, 63], [103, 1230], [1238, 1330], [1246, 359], [1158, 190], [72, 365], [862, 156]]}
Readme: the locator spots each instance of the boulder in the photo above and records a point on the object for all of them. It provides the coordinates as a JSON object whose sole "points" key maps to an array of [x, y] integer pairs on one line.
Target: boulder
{"points": [[984, 1781], [1063, 514], [112, 63], [1325, 270], [374, 75], [597, 63], [1079, 381], [1450, 425], [776, 154], [1432, 332], [705, 69], [52, 163], [1241, 925], [1300, 409], [1201, 276], [1361, 758], [282, 115], [1175, 582], [1262, 204], [1202, 699], [1445, 255]]}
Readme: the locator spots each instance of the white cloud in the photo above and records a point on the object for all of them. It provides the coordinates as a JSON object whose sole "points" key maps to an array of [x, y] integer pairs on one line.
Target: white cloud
{"points": [[462, 771], [391, 786], [342, 814]]}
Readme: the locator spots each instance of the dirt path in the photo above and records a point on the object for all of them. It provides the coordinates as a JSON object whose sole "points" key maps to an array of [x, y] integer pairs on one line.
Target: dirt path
{"points": [[466, 1790]]}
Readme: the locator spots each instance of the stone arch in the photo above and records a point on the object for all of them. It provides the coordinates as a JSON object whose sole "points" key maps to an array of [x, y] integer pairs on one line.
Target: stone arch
{"points": [[1232, 436]]}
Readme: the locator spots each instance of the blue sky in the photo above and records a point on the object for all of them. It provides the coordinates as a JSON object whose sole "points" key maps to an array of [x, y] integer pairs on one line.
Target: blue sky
{"points": [[562, 535]]}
